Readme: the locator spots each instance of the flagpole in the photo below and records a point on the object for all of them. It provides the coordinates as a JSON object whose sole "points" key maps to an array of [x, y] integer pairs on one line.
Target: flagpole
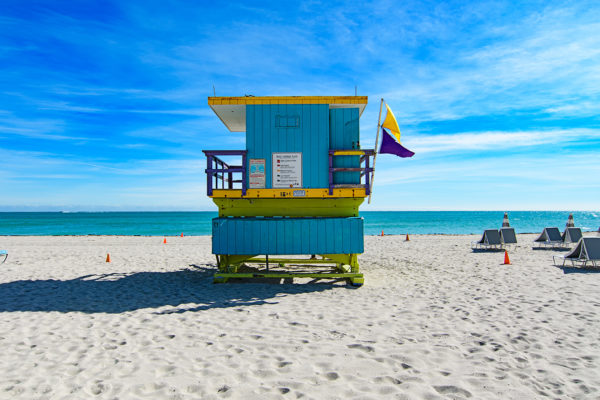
{"points": [[375, 156]]}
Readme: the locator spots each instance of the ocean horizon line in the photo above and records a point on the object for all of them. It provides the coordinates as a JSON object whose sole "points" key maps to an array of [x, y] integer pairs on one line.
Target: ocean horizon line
{"points": [[199, 223]]}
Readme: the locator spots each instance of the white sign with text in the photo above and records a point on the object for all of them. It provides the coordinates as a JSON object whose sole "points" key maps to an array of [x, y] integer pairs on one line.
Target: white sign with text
{"points": [[287, 170]]}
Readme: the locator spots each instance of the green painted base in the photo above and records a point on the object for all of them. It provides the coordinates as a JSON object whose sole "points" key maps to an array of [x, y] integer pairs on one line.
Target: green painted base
{"points": [[354, 279], [343, 266]]}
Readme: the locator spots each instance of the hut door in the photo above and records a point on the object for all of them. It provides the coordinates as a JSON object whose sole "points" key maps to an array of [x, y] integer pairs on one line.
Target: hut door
{"points": [[344, 135]]}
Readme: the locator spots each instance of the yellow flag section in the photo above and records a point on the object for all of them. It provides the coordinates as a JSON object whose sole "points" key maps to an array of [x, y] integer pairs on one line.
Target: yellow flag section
{"points": [[390, 123]]}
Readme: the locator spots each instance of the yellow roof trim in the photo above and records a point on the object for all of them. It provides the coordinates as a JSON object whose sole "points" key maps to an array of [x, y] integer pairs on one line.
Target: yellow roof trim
{"points": [[288, 100]]}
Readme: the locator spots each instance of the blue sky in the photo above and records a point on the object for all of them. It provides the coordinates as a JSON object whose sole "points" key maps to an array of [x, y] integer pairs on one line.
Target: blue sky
{"points": [[103, 104]]}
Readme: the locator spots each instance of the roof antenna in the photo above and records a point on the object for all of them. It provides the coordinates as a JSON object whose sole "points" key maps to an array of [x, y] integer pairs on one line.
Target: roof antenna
{"points": [[355, 90], [214, 91]]}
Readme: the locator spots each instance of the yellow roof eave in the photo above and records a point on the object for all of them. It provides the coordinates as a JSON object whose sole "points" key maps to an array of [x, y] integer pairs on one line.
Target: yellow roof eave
{"points": [[232, 110]]}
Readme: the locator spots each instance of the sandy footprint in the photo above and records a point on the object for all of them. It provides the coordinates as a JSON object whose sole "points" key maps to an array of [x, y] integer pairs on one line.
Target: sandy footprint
{"points": [[451, 390]]}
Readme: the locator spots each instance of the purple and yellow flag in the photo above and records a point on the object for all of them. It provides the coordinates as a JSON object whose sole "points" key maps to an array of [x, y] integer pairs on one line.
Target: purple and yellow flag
{"points": [[388, 144], [390, 123]]}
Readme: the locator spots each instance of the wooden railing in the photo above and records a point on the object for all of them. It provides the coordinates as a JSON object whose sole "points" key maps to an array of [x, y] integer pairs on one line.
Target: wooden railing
{"points": [[218, 170], [364, 171]]}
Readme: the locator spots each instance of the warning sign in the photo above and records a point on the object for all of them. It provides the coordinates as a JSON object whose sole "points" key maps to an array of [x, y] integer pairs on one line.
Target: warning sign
{"points": [[257, 173], [287, 170]]}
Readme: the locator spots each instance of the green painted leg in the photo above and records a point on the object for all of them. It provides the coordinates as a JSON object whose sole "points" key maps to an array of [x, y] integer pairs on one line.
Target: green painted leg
{"points": [[358, 281], [228, 264], [345, 259], [348, 263]]}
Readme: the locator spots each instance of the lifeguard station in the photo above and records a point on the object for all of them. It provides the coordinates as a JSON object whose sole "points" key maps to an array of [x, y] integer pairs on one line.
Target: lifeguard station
{"points": [[294, 190]]}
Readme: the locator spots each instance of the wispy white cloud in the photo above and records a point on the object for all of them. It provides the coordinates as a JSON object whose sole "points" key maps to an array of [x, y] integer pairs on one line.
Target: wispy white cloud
{"points": [[540, 61], [498, 140], [573, 107], [64, 106], [492, 171], [48, 129], [501, 182], [51, 181], [32, 165]]}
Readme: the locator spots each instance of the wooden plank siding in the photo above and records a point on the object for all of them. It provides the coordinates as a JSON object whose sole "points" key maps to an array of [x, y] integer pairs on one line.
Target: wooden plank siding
{"points": [[287, 236], [311, 138]]}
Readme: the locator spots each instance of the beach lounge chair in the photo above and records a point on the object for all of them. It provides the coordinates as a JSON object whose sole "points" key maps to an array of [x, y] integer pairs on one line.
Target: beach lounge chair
{"points": [[3, 256], [490, 240], [572, 235], [586, 251], [549, 238], [508, 235]]}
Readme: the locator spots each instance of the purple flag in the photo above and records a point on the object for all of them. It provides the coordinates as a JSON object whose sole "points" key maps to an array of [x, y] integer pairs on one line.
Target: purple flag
{"points": [[390, 146]]}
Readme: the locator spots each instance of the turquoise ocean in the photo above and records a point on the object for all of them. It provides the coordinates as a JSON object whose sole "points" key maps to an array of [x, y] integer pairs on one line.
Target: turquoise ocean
{"points": [[199, 223]]}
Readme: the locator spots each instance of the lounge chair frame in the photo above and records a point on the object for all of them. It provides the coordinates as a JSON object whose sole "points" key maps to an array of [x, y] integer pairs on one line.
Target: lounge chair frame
{"points": [[502, 235], [579, 256], [5, 254], [543, 241], [490, 240], [568, 234]]}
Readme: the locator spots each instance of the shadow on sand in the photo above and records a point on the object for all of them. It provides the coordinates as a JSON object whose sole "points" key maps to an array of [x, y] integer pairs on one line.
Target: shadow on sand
{"points": [[189, 289], [578, 270], [551, 248]]}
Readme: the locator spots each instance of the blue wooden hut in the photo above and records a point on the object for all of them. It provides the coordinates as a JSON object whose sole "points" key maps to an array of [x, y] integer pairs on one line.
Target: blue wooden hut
{"points": [[293, 191]]}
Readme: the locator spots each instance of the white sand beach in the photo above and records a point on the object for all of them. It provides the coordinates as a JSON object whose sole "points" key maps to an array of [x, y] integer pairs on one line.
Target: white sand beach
{"points": [[433, 321]]}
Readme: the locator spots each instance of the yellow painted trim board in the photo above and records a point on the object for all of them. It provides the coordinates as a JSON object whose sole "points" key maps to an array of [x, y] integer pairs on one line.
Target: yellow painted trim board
{"points": [[288, 193], [288, 100], [348, 153], [289, 207]]}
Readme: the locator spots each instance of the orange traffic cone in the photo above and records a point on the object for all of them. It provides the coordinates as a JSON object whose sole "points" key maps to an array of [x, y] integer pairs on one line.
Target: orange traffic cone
{"points": [[165, 240], [181, 234], [407, 238], [107, 257], [381, 233], [506, 259]]}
